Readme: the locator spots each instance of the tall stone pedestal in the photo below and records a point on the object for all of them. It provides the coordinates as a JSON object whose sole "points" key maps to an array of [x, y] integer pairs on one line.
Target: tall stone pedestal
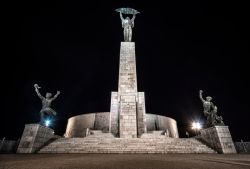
{"points": [[127, 112], [34, 137], [218, 138]]}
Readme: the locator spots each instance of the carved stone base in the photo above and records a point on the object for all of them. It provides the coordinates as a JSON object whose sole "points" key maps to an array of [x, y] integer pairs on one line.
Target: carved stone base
{"points": [[218, 138], [34, 137], [127, 119]]}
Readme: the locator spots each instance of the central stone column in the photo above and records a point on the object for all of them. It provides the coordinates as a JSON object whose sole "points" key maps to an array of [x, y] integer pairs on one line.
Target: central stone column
{"points": [[127, 90], [127, 71], [127, 114]]}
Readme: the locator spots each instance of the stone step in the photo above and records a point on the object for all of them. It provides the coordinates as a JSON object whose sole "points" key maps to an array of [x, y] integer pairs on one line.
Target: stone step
{"points": [[112, 150], [124, 151], [124, 143], [101, 141], [125, 148]]}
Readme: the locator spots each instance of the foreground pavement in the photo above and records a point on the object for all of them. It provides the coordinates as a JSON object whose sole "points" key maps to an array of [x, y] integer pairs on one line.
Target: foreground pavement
{"points": [[124, 161]]}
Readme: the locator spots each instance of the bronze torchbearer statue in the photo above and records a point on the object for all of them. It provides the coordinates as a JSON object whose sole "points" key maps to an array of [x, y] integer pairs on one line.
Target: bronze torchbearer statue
{"points": [[127, 23], [46, 103], [210, 111]]}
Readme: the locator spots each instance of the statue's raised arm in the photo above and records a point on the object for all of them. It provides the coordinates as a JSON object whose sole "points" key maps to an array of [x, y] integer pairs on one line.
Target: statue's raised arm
{"points": [[122, 19], [37, 91], [200, 94], [56, 95], [133, 18]]}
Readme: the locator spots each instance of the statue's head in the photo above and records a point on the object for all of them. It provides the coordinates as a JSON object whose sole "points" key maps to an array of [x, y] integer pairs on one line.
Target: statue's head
{"points": [[48, 95], [209, 98], [127, 18]]}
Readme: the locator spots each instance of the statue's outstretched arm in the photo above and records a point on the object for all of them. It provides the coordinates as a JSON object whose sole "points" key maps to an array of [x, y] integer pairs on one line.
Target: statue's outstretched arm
{"points": [[37, 91], [133, 18], [201, 96], [121, 17], [56, 95]]}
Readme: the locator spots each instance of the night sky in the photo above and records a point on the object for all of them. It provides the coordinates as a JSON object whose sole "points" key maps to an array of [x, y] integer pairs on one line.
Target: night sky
{"points": [[181, 47]]}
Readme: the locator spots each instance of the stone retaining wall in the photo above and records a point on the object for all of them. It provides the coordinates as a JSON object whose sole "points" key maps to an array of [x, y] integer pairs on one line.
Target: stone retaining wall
{"points": [[77, 125]]}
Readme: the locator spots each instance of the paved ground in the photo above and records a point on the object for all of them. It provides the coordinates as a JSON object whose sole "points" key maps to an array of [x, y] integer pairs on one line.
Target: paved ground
{"points": [[124, 161]]}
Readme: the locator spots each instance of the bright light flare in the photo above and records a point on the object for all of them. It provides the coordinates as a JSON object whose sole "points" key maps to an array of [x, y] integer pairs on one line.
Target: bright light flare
{"points": [[196, 125], [47, 123]]}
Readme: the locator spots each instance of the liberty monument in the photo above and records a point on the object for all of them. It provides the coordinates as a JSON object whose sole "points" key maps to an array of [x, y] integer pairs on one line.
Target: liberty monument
{"points": [[126, 127]]}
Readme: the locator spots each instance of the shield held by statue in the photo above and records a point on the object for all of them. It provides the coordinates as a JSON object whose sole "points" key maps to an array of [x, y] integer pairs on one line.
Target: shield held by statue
{"points": [[127, 11]]}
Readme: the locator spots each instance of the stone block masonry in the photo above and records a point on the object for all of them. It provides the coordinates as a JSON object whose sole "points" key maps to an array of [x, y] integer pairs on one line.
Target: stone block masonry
{"points": [[100, 142], [127, 125], [127, 111], [114, 108], [127, 70], [34, 137], [219, 138], [141, 114]]}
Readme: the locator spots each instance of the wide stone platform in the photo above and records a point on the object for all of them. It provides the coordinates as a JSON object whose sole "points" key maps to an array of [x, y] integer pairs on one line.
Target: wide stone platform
{"points": [[124, 161], [99, 142]]}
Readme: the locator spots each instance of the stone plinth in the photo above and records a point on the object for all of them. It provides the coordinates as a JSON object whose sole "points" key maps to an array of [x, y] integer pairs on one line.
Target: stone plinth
{"points": [[34, 137], [219, 138]]}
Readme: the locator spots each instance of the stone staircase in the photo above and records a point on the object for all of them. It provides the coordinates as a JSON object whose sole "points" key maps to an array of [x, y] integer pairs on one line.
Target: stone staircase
{"points": [[98, 142]]}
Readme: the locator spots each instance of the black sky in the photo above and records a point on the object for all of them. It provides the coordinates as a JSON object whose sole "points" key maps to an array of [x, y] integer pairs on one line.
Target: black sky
{"points": [[73, 46]]}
